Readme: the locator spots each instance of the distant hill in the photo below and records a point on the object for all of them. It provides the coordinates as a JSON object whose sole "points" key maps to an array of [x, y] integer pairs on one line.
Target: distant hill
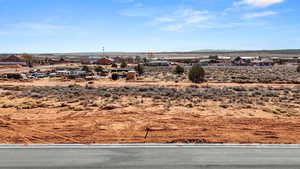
{"points": [[280, 51]]}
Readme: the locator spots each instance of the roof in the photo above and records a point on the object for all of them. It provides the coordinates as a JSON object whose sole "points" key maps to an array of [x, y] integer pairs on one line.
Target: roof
{"points": [[106, 58], [247, 57], [185, 58], [95, 57], [13, 63], [205, 60], [72, 59], [12, 58], [264, 60], [224, 57], [159, 61]]}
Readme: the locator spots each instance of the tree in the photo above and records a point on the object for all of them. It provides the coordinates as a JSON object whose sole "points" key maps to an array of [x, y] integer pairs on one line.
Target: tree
{"points": [[298, 69], [179, 69], [138, 59], [98, 69], [196, 74], [213, 57], [139, 69], [145, 60], [28, 58], [188, 61], [114, 65], [123, 64], [86, 69], [114, 76]]}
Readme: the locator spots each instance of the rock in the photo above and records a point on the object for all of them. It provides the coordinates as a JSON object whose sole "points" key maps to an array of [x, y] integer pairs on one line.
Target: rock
{"points": [[109, 107], [36, 95], [107, 95]]}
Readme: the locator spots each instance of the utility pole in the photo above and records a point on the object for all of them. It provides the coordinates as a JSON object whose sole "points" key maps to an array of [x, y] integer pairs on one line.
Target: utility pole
{"points": [[103, 51]]}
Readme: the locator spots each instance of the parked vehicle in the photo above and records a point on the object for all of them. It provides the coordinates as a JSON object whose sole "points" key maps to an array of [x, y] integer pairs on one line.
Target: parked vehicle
{"points": [[53, 74], [40, 75], [16, 76]]}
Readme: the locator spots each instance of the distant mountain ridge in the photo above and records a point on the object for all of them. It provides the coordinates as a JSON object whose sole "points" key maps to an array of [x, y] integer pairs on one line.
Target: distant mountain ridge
{"points": [[278, 51], [203, 51]]}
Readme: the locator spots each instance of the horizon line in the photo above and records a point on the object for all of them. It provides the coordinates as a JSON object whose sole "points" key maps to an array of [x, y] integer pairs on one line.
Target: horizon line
{"points": [[183, 51]]}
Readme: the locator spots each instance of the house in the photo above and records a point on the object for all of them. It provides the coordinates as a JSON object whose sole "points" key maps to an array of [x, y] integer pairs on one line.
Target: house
{"points": [[158, 63], [94, 58], [104, 61], [72, 59], [89, 59], [206, 62], [58, 60], [242, 60], [13, 63], [85, 60], [13, 60], [262, 62], [186, 59], [41, 60], [76, 74], [224, 60], [286, 60]]}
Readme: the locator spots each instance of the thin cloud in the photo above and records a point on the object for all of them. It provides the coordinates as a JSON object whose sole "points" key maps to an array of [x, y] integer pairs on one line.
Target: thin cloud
{"points": [[185, 18], [125, 1], [35, 27], [259, 14], [173, 28], [181, 18], [164, 19], [38, 26], [139, 11], [257, 3]]}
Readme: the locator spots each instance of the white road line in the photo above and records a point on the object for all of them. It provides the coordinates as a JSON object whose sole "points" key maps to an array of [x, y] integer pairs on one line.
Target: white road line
{"points": [[119, 146]]}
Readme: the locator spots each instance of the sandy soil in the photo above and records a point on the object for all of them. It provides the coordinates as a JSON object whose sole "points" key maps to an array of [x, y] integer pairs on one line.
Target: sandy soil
{"points": [[108, 82], [139, 120]]}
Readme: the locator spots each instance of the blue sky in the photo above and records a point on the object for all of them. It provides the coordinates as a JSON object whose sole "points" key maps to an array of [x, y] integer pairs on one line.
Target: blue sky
{"points": [[147, 25]]}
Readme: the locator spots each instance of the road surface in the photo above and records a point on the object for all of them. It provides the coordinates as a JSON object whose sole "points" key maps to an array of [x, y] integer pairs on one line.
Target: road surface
{"points": [[150, 156]]}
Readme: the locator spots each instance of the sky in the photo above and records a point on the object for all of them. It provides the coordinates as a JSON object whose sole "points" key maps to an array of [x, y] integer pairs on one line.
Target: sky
{"points": [[51, 26]]}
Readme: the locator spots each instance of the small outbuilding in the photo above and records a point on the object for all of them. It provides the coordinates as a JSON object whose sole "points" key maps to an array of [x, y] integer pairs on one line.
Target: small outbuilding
{"points": [[104, 61], [131, 75]]}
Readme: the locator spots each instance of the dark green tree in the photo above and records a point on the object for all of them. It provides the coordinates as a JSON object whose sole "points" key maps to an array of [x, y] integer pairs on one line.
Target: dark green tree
{"points": [[298, 69], [139, 69], [114, 76], [98, 69], [28, 59], [114, 65], [138, 59], [179, 69], [86, 68], [123, 64], [196, 74]]}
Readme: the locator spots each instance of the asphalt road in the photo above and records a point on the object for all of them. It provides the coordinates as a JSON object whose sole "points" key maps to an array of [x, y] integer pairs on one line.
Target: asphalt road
{"points": [[150, 156]]}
